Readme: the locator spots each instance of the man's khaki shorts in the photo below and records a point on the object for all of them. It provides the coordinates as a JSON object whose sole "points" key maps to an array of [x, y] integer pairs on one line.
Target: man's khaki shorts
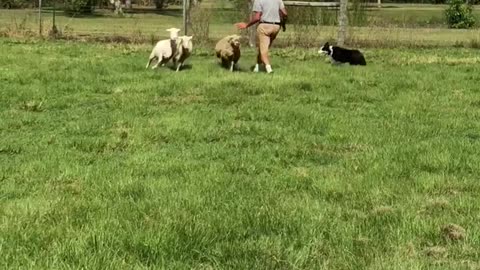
{"points": [[266, 33]]}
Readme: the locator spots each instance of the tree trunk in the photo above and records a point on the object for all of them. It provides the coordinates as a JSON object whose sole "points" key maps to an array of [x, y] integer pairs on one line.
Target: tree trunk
{"points": [[185, 16], [342, 23], [159, 4], [118, 7], [40, 17], [253, 29]]}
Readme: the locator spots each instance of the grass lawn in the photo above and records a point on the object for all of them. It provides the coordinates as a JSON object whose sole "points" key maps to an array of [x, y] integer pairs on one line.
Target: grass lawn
{"points": [[107, 165]]}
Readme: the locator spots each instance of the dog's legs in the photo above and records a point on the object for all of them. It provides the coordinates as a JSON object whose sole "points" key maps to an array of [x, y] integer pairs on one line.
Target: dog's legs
{"points": [[336, 63]]}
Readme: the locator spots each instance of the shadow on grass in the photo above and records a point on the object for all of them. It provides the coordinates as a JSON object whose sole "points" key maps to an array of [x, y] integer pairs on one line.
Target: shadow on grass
{"points": [[185, 67], [226, 67]]}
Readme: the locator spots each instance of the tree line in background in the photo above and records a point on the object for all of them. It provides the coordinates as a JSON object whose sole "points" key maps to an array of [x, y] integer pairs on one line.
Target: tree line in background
{"points": [[88, 5], [458, 14]]}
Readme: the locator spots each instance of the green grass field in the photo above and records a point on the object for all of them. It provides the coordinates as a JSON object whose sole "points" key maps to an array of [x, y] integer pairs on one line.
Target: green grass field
{"points": [[107, 165]]}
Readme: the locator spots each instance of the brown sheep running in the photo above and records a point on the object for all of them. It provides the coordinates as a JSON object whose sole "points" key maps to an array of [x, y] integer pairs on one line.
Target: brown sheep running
{"points": [[228, 50]]}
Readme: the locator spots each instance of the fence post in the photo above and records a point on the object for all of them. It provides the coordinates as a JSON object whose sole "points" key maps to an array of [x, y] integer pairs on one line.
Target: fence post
{"points": [[342, 23], [40, 17], [253, 29], [185, 14]]}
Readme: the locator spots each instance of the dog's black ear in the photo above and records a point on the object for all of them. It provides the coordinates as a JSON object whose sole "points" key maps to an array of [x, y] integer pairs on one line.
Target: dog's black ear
{"points": [[326, 44]]}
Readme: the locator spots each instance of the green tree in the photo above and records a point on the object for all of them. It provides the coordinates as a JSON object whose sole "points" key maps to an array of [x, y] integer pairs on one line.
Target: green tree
{"points": [[459, 14]]}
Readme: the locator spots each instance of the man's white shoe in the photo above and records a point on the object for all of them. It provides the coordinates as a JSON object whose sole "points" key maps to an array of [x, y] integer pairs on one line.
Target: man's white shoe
{"points": [[268, 68]]}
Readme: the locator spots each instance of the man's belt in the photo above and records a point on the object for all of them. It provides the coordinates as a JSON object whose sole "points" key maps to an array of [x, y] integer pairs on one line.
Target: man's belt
{"points": [[277, 23]]}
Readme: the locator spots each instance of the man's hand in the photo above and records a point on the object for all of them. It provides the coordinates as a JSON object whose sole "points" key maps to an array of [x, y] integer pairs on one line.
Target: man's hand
{"points": [[241, 25]]}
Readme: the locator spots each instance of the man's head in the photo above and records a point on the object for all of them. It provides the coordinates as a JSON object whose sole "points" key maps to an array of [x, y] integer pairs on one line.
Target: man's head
{"points": [[326, 49]]}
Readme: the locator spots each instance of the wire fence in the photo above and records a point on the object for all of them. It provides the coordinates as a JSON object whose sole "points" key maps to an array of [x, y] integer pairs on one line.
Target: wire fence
{"points": [[392, 25]]}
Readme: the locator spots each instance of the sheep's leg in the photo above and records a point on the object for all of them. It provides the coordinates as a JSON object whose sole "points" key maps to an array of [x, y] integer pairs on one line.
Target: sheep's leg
{"points": [[224, 63], [164, 62], [231, 66], [149, 61], [178, 66], [160, 61]]}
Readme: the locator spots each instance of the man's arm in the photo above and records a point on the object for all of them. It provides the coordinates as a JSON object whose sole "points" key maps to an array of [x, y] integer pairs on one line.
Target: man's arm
{"points": [[283, 19], [256, 16], [253, 20], [283, 16], [283, 10]]}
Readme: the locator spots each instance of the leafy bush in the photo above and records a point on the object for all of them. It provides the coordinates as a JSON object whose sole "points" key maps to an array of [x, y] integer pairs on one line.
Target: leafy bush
{"points": [[13, 4], [357, 16], [459, 14], [79, 6], [199, 23], [161, 4]]}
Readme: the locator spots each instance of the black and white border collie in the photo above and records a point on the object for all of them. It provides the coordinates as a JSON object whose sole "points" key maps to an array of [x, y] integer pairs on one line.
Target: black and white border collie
{"points": [[340, 55]]}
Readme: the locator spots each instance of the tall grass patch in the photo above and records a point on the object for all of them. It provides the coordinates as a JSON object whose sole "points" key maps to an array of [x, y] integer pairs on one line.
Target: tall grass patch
{"points": [[106, 164]]}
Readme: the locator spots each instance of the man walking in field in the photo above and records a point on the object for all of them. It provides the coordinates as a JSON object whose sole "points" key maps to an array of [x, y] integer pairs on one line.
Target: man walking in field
{"points": [[270, 14]]}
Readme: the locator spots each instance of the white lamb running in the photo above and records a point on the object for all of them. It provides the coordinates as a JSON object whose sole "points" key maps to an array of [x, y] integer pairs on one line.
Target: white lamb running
{"points": [[184, 50], [165, 49]]}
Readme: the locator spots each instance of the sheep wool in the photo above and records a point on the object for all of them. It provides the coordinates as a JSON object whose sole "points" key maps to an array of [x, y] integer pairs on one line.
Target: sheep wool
{"points": [[228, 50], [165, 49], [184, 50]]}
